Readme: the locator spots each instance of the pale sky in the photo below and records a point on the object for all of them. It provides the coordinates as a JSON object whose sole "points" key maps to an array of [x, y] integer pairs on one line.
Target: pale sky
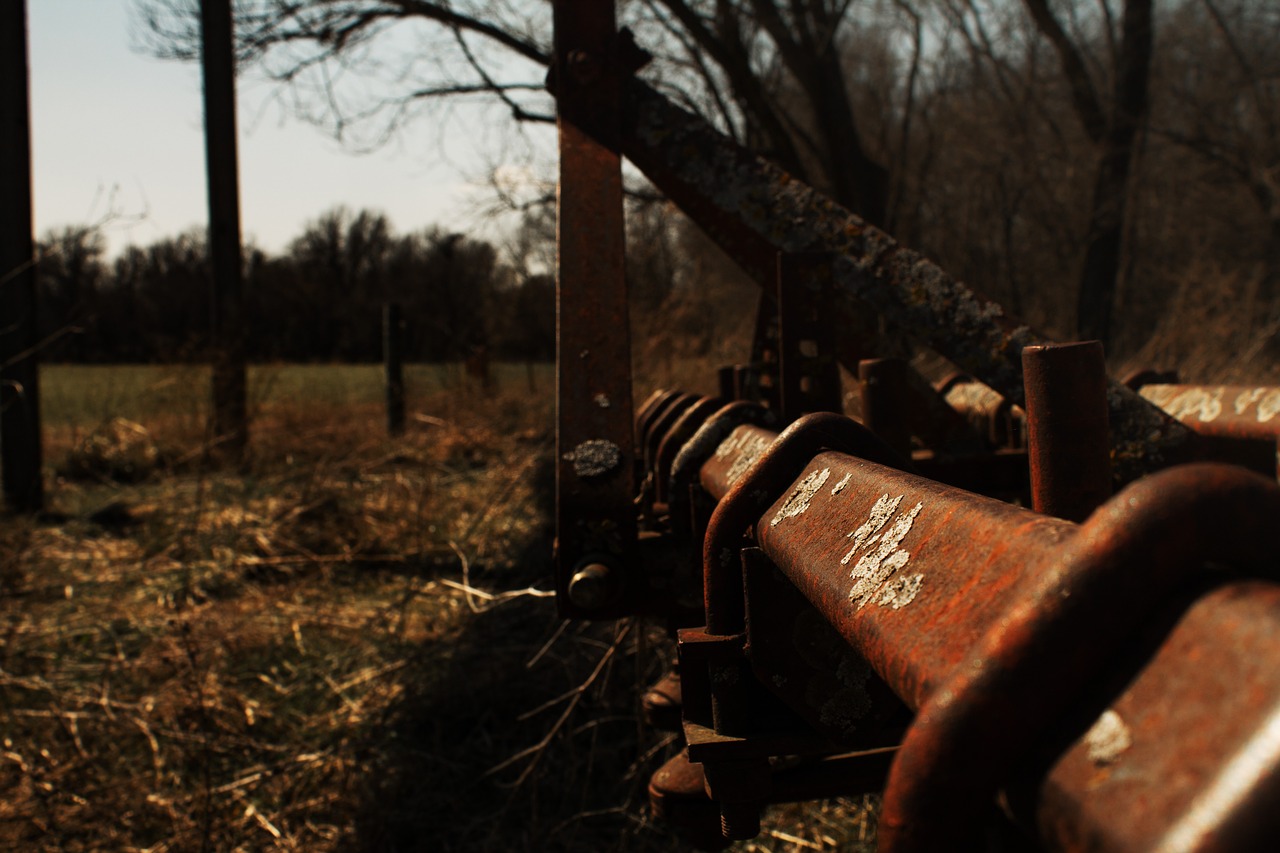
{"points": [[117, 135]]}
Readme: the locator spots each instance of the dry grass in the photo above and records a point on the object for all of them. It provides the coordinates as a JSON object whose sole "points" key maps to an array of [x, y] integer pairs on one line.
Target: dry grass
{"points": [[1216, 328], [341, 647]]}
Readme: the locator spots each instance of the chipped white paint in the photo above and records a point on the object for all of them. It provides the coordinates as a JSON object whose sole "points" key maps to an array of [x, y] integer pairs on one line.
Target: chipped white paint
{"points": [[601, 400], [879, 516], [1269, 406], [901, 592], [1247, 398], [1108, 739], [1201, 403], [881, 558], [839, 487], [748, 446], [798, 501]]}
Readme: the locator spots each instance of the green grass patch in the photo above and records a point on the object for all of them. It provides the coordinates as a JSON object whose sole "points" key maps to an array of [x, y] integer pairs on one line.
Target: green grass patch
{"points": [[83, 396]]}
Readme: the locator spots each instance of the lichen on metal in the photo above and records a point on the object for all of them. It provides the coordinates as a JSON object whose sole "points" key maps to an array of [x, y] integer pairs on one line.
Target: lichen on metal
{"points": [[595, 458]]}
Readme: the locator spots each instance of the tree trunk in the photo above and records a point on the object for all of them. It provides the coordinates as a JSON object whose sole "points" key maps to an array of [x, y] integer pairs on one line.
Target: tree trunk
{"points": [[1104, 244]]}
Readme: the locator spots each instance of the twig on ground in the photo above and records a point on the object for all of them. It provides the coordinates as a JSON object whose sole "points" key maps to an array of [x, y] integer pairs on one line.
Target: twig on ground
{"points": [[536, 751]]}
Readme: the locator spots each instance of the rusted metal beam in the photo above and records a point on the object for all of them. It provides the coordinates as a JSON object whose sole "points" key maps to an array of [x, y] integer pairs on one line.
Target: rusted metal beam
{"points": [[994, 623], [1229, 411], [1066, 392], [808, 373], [595, 451], [753, 210]]}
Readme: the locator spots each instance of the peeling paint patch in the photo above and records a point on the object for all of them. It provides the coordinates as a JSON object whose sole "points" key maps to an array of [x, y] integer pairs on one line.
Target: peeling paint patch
{"points": [[799, 499], [873, 574], [901, 592], [1269, 406], [1108, 739], [594, 458], [839, 487], [1201, 403], [879, 516], [748, 446], [1248, 398], [601, 400]]}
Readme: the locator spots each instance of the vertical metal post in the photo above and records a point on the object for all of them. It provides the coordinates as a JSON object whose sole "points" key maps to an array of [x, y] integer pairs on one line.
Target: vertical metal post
{"points": [[595, 454], [230, 417], [883, 384], [20, 446], [393, 361], [1068, 438], [728, 388], [808, 373]]}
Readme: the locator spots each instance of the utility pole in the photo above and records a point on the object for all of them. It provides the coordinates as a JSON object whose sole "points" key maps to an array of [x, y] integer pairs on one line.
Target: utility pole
{"points": [[230, 415], [20, 448]]}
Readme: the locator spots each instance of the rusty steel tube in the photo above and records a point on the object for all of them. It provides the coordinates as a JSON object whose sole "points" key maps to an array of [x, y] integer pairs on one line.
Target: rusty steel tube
{"points": [[704, 444], [741, 505], [753, 209], [1229, 411], [675, 438], [1067, 434], [972, 610]]}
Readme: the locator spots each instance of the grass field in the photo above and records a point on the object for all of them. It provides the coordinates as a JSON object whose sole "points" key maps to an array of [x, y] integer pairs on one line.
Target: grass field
{"points": [[343, 646], [85, 395]]}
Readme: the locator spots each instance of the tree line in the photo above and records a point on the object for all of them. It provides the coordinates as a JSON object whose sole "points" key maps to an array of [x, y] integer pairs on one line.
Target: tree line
{"points": [[1092, 164], [318, 300]]}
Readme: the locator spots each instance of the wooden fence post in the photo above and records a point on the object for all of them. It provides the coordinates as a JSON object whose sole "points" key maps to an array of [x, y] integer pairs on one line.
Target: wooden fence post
{"points": [[393, 360], [20, 447]]}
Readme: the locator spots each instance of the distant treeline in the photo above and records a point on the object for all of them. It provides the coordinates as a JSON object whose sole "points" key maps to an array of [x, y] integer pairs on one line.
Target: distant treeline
{"points": [[321, 299]]}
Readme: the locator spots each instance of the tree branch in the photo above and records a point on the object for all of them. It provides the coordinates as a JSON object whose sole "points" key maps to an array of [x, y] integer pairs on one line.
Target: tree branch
{"points": [[1083, 94]]}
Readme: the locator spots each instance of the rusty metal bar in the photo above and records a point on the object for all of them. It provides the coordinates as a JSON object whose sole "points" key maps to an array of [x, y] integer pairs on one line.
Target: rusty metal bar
{"points": [[882, 383], [393, 365], [595, 473], [808, 373], [1230, 411], [20, 441], [989, 414], [740, 507], [1067, 435], [973, 612], [674, 440], [753, 209], [662, 422]]}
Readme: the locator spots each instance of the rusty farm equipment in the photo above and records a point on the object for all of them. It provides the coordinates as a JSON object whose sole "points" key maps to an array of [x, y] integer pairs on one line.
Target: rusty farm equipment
{"points": [[1031, 604]]}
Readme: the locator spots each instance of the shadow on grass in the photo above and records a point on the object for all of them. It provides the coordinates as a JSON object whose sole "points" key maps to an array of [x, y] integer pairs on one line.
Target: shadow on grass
{"points": [[495, 693]]}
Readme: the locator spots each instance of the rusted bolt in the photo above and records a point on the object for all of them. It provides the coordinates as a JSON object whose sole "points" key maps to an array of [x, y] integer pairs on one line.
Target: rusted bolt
{"points": [[739, 821], [741, 787], [594, 585]]}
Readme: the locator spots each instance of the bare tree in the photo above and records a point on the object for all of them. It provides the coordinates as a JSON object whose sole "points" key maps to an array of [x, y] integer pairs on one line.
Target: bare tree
{"points": [[777, 75], [1112, 125], [1222, 93]]}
